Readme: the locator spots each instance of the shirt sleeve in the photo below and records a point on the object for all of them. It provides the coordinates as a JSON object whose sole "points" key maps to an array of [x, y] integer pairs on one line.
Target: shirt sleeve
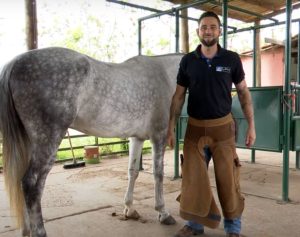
{"points": [[182, 78], [239, 73]]}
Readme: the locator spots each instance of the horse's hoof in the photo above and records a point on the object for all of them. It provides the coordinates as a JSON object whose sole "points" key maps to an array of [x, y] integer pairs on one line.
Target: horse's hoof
{"points": [[168, 221], [134, 215]]}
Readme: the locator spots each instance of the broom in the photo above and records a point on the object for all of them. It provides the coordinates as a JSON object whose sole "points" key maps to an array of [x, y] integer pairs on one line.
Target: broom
{"points": [[75, 163]]}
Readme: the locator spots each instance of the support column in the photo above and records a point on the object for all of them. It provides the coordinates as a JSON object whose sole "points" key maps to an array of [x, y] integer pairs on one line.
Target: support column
{"points": [[287, 105], [225, 16], [254, 76], [139, 37], [177, 31], [184, 31], [297, 93], [258, 55], [31, 25]]}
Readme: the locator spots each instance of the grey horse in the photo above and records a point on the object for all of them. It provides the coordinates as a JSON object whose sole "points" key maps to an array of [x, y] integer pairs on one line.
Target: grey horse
{"points": [[44, 92]]}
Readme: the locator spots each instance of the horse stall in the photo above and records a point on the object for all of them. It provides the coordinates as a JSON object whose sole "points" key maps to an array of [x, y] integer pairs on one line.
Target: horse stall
{"points": [[268, 110]]}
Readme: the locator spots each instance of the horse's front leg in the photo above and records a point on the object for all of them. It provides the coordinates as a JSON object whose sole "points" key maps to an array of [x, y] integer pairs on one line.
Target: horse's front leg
{"points": [[158, 149], [135, 151]]}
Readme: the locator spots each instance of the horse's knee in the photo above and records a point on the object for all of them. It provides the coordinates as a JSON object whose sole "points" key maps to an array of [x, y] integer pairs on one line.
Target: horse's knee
{"points": [[133, 173], [159, 176]]}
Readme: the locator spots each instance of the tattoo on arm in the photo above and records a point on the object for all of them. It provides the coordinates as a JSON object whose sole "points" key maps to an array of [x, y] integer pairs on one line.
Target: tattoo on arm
{"points": [[175, 109], [246, 103]]}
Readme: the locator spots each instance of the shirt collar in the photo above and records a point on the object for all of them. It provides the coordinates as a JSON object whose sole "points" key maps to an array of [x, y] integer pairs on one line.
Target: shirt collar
{"points": [[200, 55]]}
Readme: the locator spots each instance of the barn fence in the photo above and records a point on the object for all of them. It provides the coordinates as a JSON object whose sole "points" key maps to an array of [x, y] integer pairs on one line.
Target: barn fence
{"points": [[111, 148]]}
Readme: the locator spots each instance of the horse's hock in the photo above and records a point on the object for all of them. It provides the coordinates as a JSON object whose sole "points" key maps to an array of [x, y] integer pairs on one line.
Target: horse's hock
{"points": [[91, 154]]}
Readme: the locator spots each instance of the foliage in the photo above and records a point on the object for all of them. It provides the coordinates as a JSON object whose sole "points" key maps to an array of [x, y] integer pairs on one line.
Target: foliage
{"points": [[107, 35]]}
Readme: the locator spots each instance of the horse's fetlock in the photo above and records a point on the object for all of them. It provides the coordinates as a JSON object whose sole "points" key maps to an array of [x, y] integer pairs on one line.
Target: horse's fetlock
{"points": [[25, 232], [128, 202], [159, 208]]}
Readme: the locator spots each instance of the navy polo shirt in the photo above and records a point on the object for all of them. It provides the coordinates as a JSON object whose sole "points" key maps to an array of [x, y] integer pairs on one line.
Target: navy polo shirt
{"points": [[209, 82]]}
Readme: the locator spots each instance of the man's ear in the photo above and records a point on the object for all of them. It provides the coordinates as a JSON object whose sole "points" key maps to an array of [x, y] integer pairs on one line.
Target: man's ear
{"points": [[221, 31], [197, 31]]}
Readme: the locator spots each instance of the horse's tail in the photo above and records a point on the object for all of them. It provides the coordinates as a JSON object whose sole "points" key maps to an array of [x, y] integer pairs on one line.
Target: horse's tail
{"points": [[16, 146]]}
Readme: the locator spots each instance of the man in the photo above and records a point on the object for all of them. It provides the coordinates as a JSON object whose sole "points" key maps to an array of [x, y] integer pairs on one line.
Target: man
{"points": [[208, 74]]}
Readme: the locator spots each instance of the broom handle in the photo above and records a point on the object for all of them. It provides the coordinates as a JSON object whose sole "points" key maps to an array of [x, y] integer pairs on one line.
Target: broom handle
{"points": [[74, 160]]}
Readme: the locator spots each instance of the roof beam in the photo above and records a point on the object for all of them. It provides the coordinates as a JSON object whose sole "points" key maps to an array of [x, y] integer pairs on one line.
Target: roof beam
{"points": [[275, 13], [274, 41], [147, 8], [245, 11], [261, 4]]}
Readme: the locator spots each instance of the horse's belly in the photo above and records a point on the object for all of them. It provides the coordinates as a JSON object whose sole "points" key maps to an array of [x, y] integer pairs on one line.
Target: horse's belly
{"points": [[110, 126]]}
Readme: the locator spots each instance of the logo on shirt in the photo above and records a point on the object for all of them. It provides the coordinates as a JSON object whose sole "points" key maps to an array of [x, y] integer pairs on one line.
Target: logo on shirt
{"points": [[223, 69]]}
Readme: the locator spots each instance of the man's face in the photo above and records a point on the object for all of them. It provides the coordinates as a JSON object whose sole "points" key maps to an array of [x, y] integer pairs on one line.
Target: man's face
{"points": [[209, 31]]}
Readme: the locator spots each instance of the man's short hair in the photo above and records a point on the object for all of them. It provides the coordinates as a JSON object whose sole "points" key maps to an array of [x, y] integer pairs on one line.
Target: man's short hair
{"points": [[209, 14]]}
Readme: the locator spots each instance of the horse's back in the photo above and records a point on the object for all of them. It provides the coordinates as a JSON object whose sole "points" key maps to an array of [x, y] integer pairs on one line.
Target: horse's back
{"points": [[63, 88], [135, 97]]}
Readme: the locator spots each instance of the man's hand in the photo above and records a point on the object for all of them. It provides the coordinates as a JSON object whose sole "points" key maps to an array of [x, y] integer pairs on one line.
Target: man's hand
{"points": [[250, 137], [171, 138]]}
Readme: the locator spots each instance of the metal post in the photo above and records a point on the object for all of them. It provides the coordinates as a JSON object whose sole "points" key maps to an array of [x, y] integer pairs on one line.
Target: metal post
{"points": [[141, 162], [225, 16], [177, 31], [297, 92], [287, 105], [254, 80], [176, 151], [140, 36], [297, 160]]}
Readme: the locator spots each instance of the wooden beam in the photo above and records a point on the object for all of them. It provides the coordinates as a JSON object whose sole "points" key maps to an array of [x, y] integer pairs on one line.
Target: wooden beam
{"points": [[31, 24], [184, 32], [261, 4], [274, 41], [275, 13], [258, 55]]}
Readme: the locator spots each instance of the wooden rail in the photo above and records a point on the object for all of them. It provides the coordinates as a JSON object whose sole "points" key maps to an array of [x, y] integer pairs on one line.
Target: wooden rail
{"points": [[96, 143]]}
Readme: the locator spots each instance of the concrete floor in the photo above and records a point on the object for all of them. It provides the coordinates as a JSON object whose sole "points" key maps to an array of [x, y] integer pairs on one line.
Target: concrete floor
{"points": [[89, 201]]}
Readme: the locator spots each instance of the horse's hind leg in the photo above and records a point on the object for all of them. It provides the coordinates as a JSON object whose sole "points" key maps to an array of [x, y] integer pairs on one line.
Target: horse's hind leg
{"points": [[158, 149], [135, 151], [33, 185], [43, 155], [25, 229]]}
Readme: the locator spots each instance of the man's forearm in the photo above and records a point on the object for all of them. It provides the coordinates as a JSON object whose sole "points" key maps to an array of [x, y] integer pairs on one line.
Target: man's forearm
{"points": [[246, 104], [175, 110]]}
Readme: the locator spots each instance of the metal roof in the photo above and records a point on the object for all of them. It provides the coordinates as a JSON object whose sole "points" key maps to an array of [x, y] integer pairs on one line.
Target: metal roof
{"points": [[244, 10]]}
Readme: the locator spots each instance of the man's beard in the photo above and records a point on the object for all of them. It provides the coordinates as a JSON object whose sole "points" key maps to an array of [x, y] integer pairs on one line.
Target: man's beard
{"points": [[210, 42]]}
